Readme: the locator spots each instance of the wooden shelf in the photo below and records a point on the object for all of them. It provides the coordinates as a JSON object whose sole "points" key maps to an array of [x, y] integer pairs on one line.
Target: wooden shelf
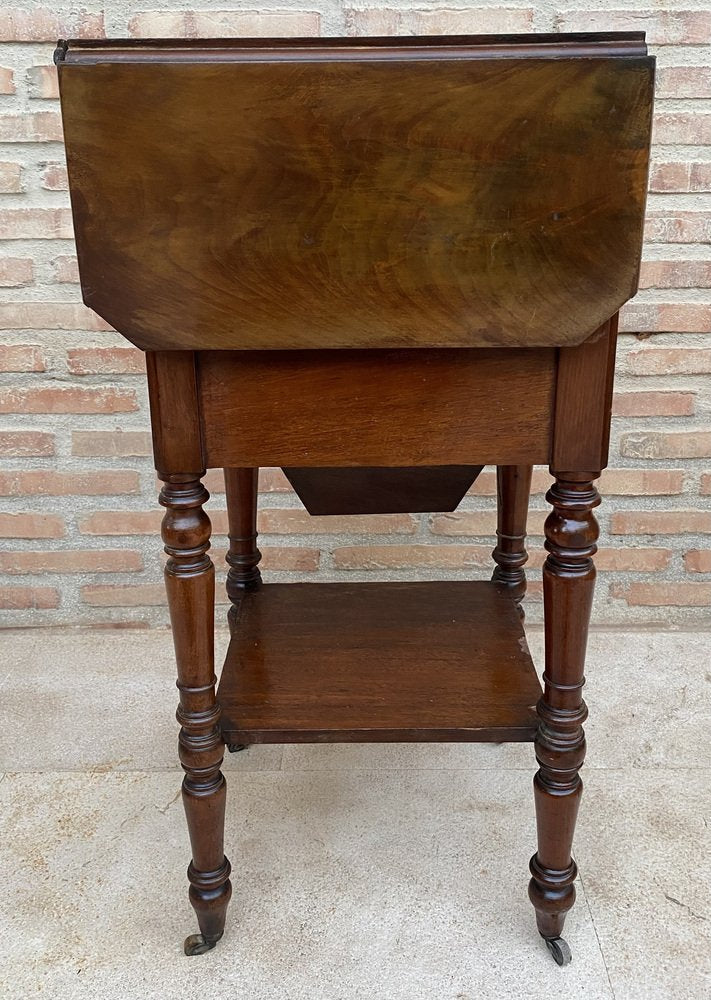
{"points": [[378, 662]]}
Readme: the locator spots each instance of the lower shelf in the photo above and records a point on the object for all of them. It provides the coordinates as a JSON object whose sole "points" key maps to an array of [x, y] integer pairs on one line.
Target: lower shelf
{"points": [[378, 662]]}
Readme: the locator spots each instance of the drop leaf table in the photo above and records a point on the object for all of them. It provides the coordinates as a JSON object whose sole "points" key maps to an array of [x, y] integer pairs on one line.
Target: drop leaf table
{"points": [[380, 264]]}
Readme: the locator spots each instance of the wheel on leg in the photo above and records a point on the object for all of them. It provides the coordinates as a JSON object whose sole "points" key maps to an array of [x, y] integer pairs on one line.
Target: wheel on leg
{"points": [[198, 944], [236, 747], [560, 950]]}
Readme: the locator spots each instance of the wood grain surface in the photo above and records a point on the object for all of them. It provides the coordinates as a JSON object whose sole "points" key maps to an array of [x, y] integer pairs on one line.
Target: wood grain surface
{"points": [[427, 197], [378, 662], [378, 490], [366, 408]]}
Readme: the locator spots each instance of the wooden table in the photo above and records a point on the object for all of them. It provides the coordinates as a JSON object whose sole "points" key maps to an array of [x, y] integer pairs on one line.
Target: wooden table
{"points": [[379, 263]]}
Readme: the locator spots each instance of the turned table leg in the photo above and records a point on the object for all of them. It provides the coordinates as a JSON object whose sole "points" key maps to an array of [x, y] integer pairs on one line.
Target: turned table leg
{"points": [[513, 487], [241, 486], [568, 581], [243, 556], [190, 583]]}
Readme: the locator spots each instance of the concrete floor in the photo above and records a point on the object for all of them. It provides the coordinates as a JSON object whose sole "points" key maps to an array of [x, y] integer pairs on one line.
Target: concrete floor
{"points": [[360, 872]]}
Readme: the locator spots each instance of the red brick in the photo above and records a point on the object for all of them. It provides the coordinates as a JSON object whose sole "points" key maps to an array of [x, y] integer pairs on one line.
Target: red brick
{"points": [[698, 561], [70, 399], [106, 361], [382, 557], [42, 82], [16, 272], [111, 444], [227, 23], [21, 358], [485, 483], [122, 522], [40, 126], [378, 557], [285, 559], [678, 317], [669, 361], [10, 178], [706, 484], [464, 522], [653, 404], [71, 561], [279, 559], [614, 482], [681, 227], [632, 560], [680, 176], [47, 482], [672, 176], [31, 526], [36, 224], [663, 27], [273, 481], [675, 274], [683, 81], [129, 596], [691, 129], [213, 480], [441, 21], [641, 482], [479, 523], [28, 598], [666, 444], [54, 177], [659, 522], [42, 24], [7, 82], [50, 316], [700, 177], [65, 269], [299, 522], [23, 444], [695, 595], [270, 481]]}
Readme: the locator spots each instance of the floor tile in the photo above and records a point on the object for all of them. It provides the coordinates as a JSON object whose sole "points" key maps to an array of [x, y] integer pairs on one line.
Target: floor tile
{"points": [[103, 701], [393, 871], [391, 885], [649, 695], [643, 846]]}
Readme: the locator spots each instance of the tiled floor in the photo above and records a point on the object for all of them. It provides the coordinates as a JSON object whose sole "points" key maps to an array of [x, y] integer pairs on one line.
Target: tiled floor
{"points": [[360, 872]]}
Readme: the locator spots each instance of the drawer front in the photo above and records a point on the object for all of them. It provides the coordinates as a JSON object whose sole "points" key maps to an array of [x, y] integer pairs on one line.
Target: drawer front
{"points": [[376, 408]]}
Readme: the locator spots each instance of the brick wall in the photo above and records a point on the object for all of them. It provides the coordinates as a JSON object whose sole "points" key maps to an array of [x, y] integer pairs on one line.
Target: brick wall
{"points": [[79, 518]]}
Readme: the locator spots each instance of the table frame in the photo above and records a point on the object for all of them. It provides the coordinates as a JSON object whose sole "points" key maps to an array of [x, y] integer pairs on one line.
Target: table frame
{"points": [[379, 263]]}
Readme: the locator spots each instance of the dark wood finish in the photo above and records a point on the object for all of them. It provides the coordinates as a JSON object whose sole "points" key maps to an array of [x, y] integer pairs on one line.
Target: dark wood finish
{"points": [[376, 662], [190, 585], [364, 408], [382, 490], [280, 222], [384, 195], [513, 489], [583, 402], [374, 47], [243, 557], [568, 583], [175, 411]]}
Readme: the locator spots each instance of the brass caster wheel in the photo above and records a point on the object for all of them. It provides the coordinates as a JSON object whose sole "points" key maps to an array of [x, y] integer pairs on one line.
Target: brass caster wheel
{"points": [[236, 747], [197, 944], [560, 950]]}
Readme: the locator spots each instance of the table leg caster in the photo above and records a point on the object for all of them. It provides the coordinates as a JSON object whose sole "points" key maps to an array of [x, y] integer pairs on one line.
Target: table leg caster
{"points": [[560, 950], [198, 944], [236, 747]]}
